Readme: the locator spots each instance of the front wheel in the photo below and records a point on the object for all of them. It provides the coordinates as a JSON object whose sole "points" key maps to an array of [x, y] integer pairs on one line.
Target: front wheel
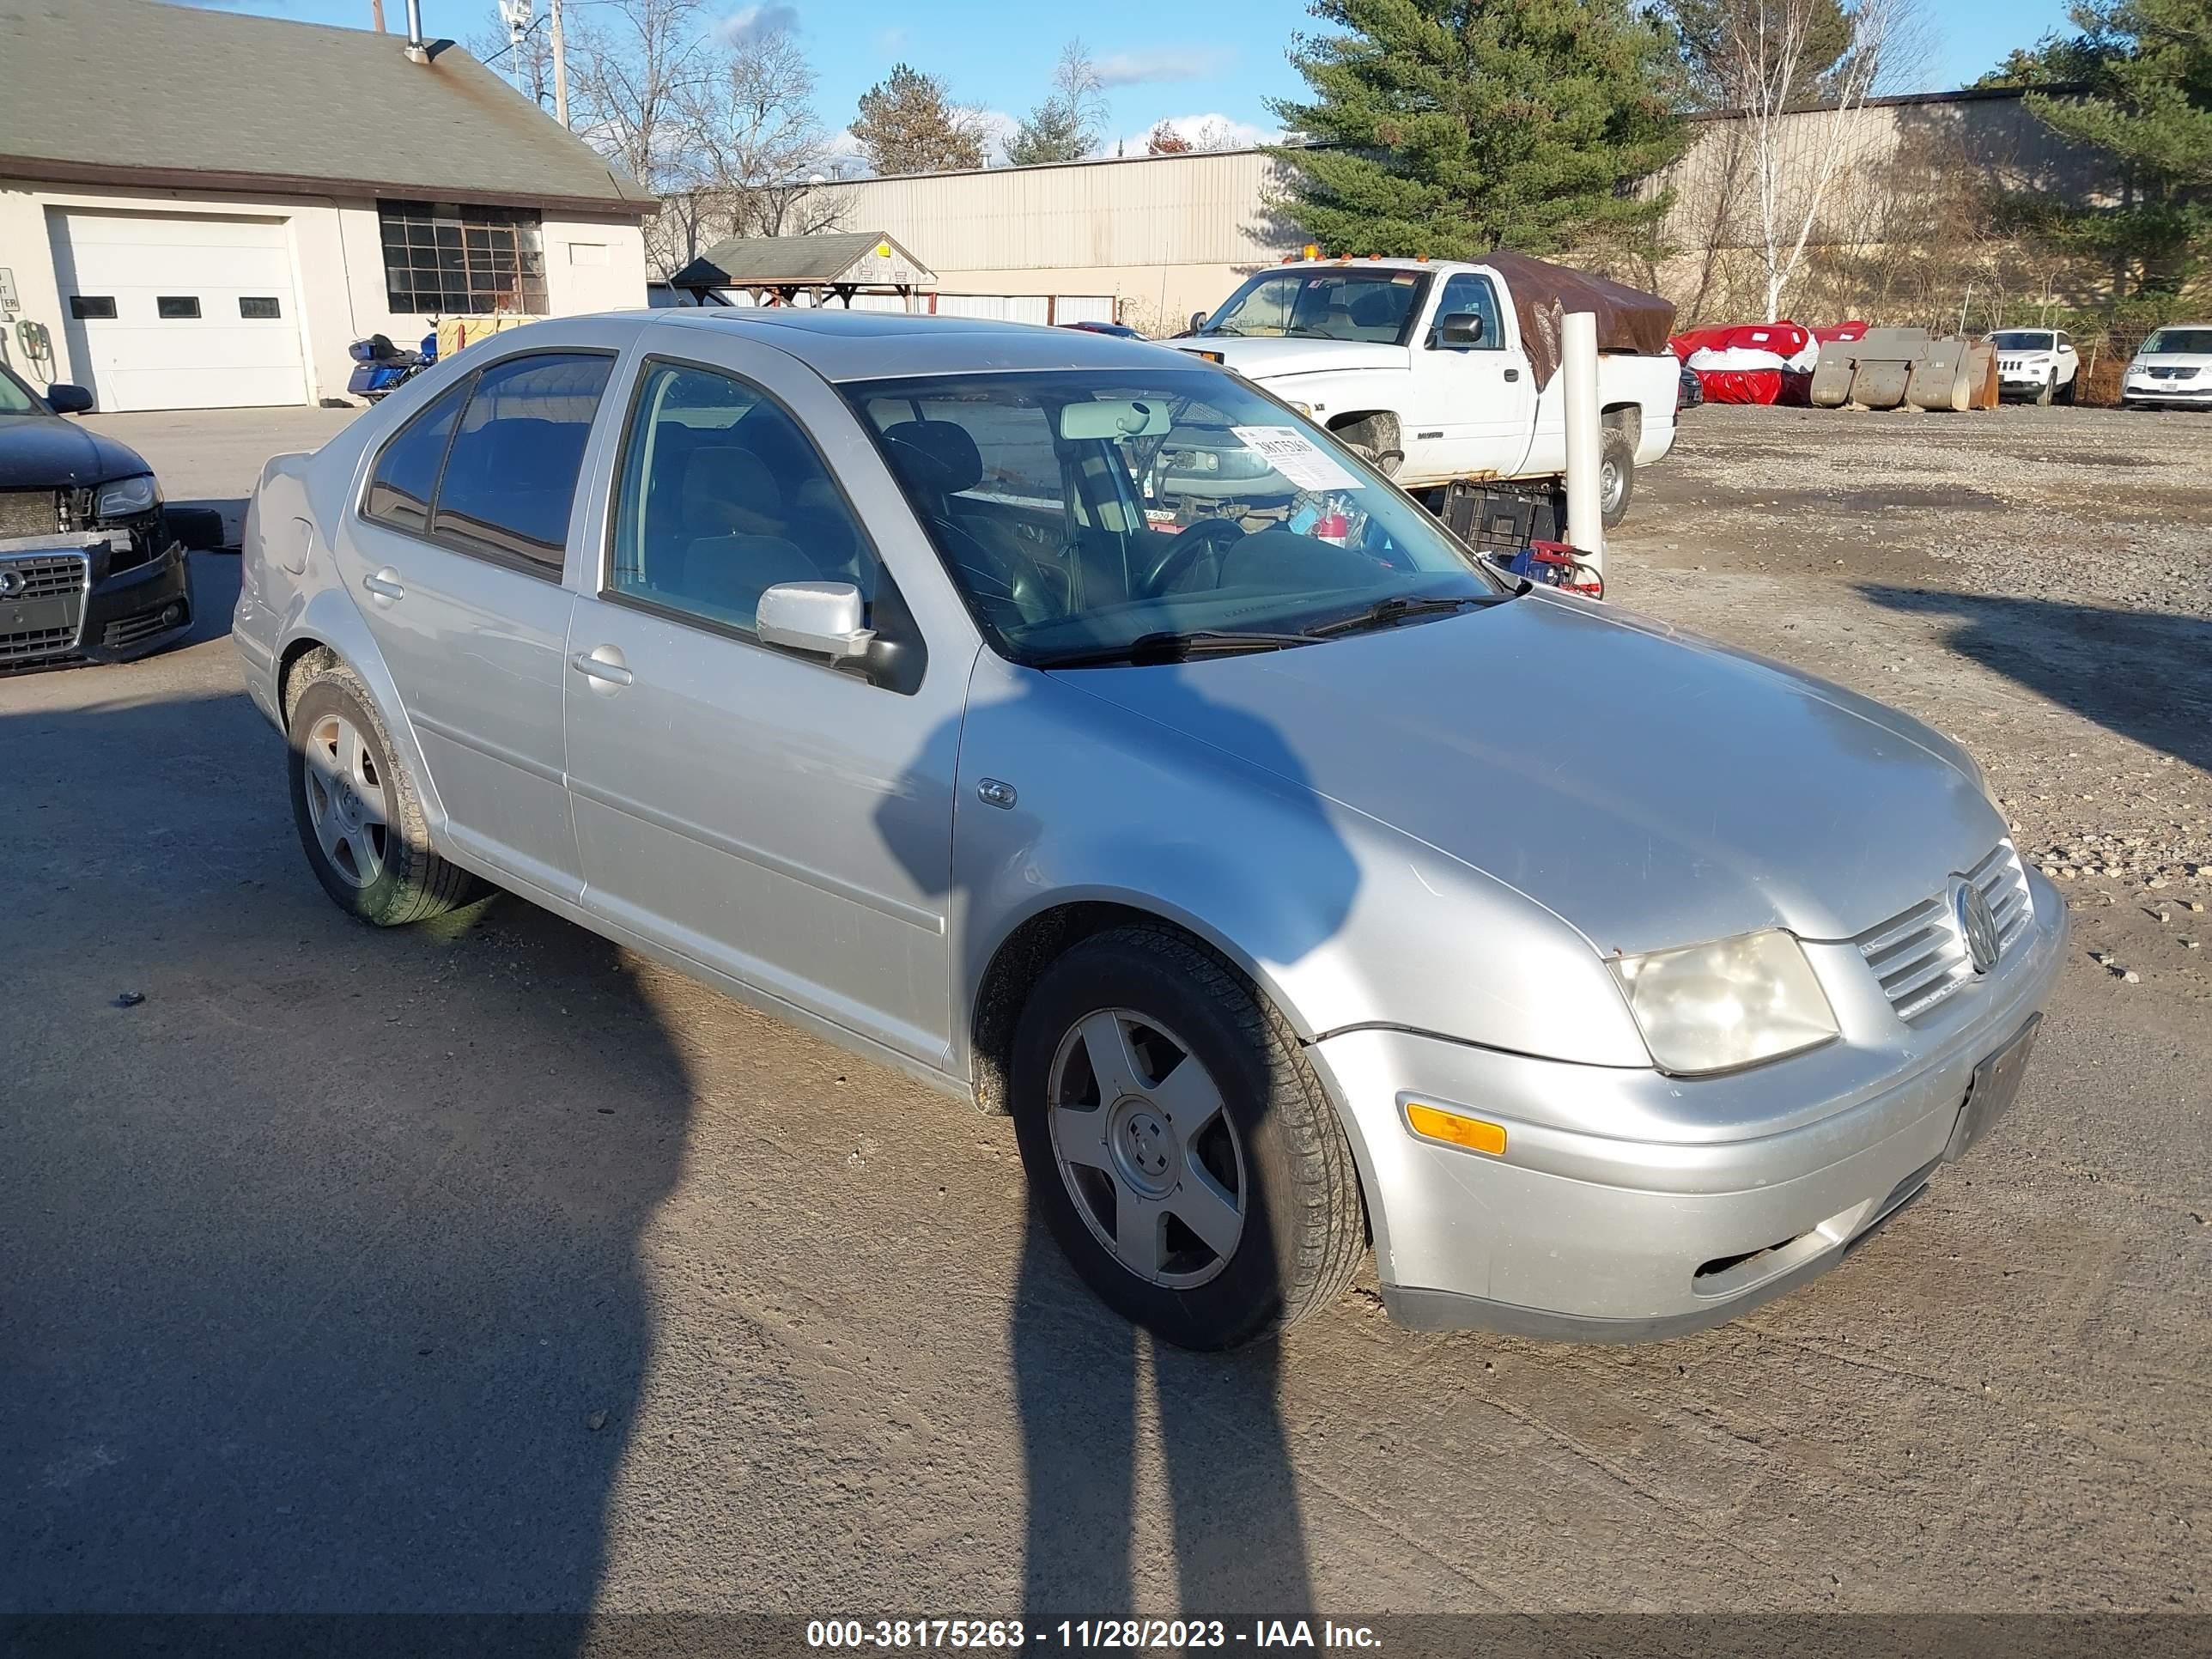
{"points": [[1616, 475], [1183, 1153]]}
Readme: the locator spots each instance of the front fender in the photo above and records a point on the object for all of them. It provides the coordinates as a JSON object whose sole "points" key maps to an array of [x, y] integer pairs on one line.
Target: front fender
{"points": [[1342, 920]]}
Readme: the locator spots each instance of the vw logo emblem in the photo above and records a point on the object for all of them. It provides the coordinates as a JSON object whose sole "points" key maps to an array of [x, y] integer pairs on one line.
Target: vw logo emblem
{"points": [[11, 583], [1977, 925]]}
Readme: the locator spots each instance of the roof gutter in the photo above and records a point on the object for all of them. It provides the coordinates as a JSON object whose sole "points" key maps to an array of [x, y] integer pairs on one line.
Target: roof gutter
{"points": [[39, 170]]}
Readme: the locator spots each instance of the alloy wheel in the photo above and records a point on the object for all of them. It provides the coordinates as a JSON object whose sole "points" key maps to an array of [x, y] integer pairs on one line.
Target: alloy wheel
{"points": [[344, 791], [1146, 1149]]}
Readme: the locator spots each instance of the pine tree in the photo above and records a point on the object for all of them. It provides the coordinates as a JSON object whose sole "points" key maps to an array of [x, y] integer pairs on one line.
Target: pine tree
{"points": [[2143, 68], [1456, 126], [909, 124]]}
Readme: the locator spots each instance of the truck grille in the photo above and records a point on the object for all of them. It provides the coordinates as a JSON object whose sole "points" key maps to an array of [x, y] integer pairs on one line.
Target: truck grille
{"points": [[30, 512], [1920, 955]]}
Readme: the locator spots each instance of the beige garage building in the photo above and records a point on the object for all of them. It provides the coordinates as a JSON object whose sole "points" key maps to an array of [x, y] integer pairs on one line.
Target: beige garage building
{"points": [[320, 185]]}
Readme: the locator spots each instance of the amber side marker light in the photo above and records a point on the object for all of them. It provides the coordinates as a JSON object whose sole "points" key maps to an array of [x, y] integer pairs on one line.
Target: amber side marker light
{"points": [[1471, 1132]]}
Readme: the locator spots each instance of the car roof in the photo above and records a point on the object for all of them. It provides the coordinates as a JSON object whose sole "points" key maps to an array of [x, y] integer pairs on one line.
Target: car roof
{"points": [[867, 345]]}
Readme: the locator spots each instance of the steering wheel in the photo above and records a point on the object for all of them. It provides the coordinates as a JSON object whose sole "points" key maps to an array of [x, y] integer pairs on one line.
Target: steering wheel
{"points": [[1177, 562]]}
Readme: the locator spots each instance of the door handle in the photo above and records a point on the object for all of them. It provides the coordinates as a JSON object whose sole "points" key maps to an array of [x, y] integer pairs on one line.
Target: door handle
{"points": [[603, 665], [385, 584], [1512, 373]]}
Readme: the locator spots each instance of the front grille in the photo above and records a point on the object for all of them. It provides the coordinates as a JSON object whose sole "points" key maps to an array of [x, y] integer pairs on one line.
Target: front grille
{"points": [[2173, 374], [127, 631], [48, 574], [1920, 954], [30, 512], [35, 645]]}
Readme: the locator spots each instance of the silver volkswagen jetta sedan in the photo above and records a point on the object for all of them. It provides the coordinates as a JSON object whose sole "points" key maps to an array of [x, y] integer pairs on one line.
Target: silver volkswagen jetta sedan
{"points": [[1290, 878]]}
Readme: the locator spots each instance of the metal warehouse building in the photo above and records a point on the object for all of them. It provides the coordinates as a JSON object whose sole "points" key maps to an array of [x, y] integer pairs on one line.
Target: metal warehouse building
{"points": [[179, 249]]}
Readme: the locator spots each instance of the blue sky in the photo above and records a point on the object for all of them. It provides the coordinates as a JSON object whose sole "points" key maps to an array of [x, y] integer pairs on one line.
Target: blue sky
{"points": [[1163, 58]]}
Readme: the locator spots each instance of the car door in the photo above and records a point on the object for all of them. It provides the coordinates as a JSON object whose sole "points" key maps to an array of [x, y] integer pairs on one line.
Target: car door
{"points": [[1476, 400], [457, 559], [780, 821]]}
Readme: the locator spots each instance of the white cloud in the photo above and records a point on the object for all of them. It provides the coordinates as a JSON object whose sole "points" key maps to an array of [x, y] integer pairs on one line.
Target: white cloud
{"points": [[758, 22], [890, 42], [1209, 130], [1132, 69], [999, 131]]}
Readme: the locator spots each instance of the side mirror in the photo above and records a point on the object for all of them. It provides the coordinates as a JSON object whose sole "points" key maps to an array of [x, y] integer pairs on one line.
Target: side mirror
{"points": [[1198, 320], [66, 399], [1460, 328], [199, 528], [827, 619]]}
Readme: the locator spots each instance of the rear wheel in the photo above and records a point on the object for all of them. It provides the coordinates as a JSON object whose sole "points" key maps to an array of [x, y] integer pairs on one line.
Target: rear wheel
{"points": [[1181, 1150], [360, 821], [2066, 392], [1616, 475]]}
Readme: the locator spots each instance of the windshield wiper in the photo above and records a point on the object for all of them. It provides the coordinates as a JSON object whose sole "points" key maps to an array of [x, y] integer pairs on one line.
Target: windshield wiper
{"points": [[1172, 647], [1387, 613]]}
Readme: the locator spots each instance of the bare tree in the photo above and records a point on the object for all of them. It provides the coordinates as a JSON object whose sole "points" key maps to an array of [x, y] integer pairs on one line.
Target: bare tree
{"points": [[637, 69], [527, 63], [758, 153], [1761, 60]]}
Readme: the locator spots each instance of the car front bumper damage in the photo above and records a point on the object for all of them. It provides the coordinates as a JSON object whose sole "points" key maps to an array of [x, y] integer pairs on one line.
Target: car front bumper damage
{"points": [[1767, 1178], [90, 598]]}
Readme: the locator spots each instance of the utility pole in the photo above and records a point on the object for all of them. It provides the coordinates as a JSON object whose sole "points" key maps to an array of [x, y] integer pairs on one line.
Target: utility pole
{"points": [[376, 13], [560, 69]]}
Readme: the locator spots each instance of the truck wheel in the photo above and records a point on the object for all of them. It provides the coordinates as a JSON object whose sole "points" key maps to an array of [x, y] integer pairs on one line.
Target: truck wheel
{"points": [[1616, 475], [1183, 1153], [359, 819], [1385, 461]]}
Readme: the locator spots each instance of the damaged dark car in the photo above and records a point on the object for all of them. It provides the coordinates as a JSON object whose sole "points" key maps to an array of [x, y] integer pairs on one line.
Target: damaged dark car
{"points": [[93, 568]]}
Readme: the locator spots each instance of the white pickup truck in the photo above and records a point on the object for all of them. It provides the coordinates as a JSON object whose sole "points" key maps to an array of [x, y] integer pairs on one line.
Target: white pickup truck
{"points": [[1442, 372]]}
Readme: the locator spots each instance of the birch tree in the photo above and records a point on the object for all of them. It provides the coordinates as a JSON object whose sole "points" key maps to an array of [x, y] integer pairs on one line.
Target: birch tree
{"points": [[1766, 64]]}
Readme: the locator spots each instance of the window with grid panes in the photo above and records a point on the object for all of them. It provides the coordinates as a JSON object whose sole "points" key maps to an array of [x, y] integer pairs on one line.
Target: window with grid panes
{"points": [[455, 260]]}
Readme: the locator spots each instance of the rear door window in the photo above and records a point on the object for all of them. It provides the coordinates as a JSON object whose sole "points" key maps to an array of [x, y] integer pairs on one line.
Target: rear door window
{"points": [[510, 475], [406, 475]]}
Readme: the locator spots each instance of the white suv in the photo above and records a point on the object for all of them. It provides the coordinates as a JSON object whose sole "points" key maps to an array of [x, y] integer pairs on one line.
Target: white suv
{"points": [[2036, 363]]}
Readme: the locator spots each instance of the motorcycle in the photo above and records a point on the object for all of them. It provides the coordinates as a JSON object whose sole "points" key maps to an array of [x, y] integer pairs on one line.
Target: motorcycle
{"points": [[384, 367]]}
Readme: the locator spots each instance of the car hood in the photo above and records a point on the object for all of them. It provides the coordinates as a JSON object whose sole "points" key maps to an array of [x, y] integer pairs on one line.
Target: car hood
{"points": [[1272, 357], [47, 451], [2172, 360], [1651, 789]]}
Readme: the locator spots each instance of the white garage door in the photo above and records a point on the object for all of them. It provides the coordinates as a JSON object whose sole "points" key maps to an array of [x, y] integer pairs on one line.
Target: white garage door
{"points": [[179, 312]]}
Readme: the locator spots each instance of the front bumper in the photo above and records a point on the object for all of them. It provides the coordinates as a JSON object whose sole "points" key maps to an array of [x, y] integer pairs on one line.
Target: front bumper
{"points": [[2178, 394], [1723, 1192], [111, 614]]}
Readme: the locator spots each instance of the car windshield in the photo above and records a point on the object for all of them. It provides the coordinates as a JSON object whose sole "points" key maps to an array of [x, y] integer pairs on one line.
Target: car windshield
{"points": [[2195, 342], [15, 398], [1083, 513], [1376, 306], [2023, 339]]}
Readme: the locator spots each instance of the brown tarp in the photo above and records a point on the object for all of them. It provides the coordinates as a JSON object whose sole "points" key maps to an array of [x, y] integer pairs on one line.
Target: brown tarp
{"points": [[1628, 319]]}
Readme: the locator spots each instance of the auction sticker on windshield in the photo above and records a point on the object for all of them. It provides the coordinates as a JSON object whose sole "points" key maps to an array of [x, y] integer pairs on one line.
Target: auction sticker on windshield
{"points": [[1296, 456]]}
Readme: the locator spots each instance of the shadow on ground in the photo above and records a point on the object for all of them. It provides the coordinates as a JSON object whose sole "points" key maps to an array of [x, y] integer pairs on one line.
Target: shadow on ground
{"points": [[321, 1280], [2145, 675]]}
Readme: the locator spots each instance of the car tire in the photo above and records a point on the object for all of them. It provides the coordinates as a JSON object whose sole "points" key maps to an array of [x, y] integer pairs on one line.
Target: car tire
{"points": [[2044, 393], [2066, 392], [1616, 484], [1115, 1178], [1385, 461], [359, 816]]}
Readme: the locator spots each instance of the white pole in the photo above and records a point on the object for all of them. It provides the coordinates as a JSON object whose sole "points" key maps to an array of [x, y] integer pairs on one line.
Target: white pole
{"points": [[1585, 439], [560, 69]]}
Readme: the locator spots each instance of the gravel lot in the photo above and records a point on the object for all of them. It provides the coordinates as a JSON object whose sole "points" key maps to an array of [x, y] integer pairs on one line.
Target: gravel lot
{"points": [[484, 1266]]}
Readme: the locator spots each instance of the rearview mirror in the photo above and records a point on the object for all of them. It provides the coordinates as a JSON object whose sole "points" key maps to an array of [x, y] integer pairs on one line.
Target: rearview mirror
{"points": [[827, 619], [1113, 417], [66, 399], [1197, 320], [1460, 328]]}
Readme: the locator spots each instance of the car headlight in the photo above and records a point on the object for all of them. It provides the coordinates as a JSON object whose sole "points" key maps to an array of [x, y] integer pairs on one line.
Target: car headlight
{"points": [[125, 498], [1732, 1003]]}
